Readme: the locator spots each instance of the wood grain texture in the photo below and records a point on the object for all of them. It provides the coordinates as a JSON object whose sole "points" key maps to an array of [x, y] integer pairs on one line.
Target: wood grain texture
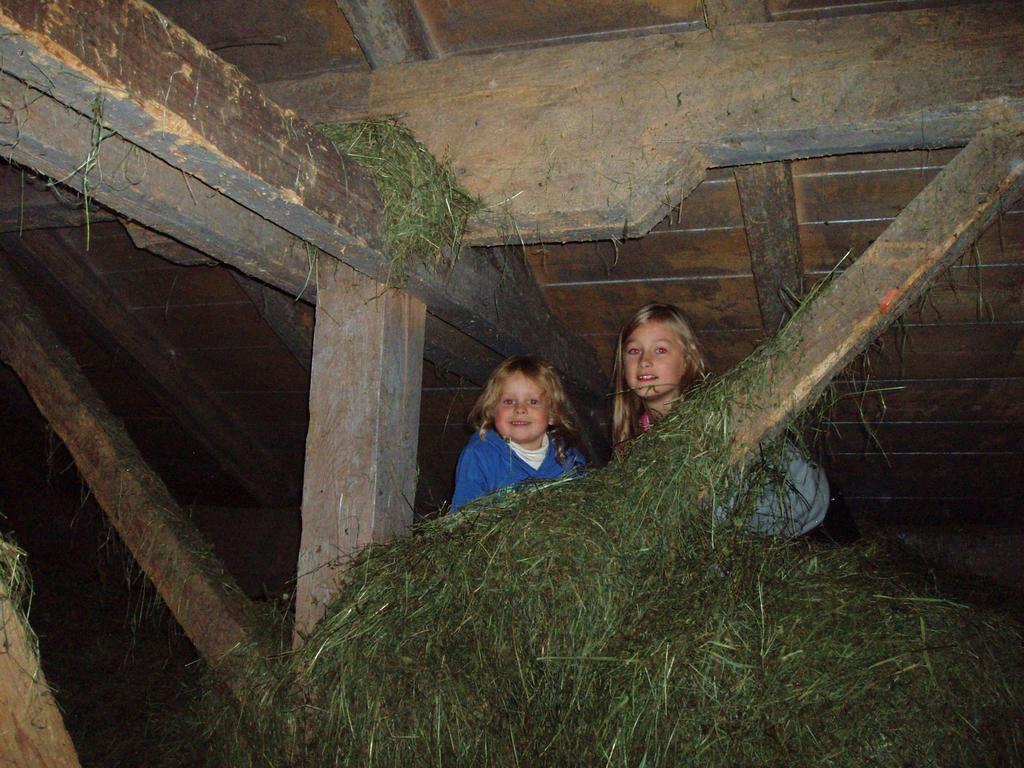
{"points": [[486, 295], [769, 216], [183, 390], [364, 405], [388, 31], [204, 600], [596, 140], [32, 732], [930, 233]]}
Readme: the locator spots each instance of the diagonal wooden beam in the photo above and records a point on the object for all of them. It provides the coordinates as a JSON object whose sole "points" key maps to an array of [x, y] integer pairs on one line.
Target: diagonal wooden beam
{"points": [[930, 234], [769, 217], [210, 608], [182, 391], [389, 31], [502, 309], [597, 139]]}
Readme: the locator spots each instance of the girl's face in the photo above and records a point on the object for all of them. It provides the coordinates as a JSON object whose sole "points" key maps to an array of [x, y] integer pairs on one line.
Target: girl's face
{"points": [[522, 412], [654, 362]]}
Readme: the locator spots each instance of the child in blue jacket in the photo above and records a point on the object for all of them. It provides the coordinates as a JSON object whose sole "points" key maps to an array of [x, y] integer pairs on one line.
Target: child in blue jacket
{"points": [[524, 431]]}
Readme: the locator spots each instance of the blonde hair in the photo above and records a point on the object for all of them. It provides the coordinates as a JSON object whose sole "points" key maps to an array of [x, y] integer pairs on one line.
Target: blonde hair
{"points": [[542, 373], [627, 405]]}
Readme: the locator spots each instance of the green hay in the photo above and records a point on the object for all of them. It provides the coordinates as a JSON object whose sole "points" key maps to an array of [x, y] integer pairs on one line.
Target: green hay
{"points": [[15, 590], [611, 621], [425, 209]]}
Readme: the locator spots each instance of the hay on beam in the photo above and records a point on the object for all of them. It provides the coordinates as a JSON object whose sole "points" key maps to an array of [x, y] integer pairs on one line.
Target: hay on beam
{"points": [[425, 209], [613, 621]]}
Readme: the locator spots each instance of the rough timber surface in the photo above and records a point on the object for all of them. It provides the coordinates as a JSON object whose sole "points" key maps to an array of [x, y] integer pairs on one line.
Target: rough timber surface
{"points": [[485, 296], [931, 232], [211, 610], [596, 140], [32, 733]]}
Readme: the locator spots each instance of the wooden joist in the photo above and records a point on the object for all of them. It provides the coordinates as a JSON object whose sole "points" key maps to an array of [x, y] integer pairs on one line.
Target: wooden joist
{"points": [[184, 392], [122, 65], [596, 140], [928, 235], [388, 31], [769, 217], [209, 606]]}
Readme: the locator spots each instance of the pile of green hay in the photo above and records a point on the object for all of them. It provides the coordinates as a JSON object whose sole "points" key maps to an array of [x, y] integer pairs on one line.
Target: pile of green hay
{"points": [[611, 621], [425, 209]]}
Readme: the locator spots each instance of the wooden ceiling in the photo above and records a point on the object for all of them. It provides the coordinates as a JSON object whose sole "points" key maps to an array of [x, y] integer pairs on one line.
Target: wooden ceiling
{"points": [[212, 382]]}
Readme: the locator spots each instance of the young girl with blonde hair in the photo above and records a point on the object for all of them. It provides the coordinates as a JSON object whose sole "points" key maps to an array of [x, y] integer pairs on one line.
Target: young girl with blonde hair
{"points": [[657, 360], [524, 430]]}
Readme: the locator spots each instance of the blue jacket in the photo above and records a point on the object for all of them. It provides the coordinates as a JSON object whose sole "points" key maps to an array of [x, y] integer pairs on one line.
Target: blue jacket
{"points": [[489, 463]]}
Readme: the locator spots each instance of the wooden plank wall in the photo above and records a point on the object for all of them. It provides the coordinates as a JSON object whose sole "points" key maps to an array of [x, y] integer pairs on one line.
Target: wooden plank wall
{"points": [[955, 427]]}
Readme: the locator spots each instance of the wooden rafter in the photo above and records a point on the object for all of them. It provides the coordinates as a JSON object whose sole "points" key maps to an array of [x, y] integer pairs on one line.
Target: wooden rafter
{"points": [[929, 234], [209, 606], [597, 139], [487, 296], [769, 217], [180, 103], [184, 392], [389, 31]]}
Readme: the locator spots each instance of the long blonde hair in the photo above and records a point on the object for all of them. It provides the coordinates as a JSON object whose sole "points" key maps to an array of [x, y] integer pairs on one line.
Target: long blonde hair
{"points": [[627, 405], [563, 425]]}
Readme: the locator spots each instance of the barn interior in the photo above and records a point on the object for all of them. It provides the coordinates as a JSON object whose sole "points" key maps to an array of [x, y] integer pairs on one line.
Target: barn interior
{"points": [[169, 214]]}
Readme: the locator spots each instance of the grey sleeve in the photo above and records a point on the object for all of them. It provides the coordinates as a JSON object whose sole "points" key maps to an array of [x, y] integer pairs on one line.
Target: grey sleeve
{"points": [[796, 503]]}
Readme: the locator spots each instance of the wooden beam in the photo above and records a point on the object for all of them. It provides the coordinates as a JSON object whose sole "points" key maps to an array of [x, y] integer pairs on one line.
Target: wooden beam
{"points": [[389, 31], [769, 217], [444, 346], [364, 404], [766, 198], [724, 13], [204, 600], [597, 139], [930, 234], [165, 247], [32, 732], [183, 392], [28, 203], [481, 296]]}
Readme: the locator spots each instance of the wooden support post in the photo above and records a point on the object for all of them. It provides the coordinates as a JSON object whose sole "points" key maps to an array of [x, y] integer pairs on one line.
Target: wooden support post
{"points": [[204, 599], [769, 216], [932, 231], [32, 733], [364, 405]]}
